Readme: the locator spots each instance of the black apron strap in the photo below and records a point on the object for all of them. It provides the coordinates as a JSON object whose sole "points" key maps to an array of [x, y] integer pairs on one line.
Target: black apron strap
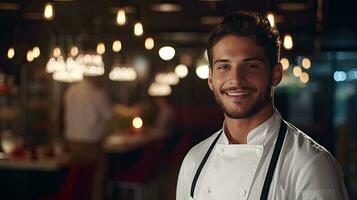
{"points": [[198, 172], [274, 160]]}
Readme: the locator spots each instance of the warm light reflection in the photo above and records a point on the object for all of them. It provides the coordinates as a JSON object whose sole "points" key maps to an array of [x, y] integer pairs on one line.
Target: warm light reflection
{"points": [[48, 11], [304, 77], [205, 55], [74, 51], [285, 63], [297, 71], [166, 53], [101, 48], [306, 63], [121, 18], [167, 78], [36, 52], [202, 71], [56, 52], [11, 53], [138, 29], [29, 56], [92, 64], [288, 42], [159, 89], [271, 19], [181, 70], [122, 74], [116, 47], [149, 43], [137, 122]]}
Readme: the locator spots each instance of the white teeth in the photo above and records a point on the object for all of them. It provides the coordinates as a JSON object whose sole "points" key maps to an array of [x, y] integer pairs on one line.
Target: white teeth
{"points": [[236, 93]]}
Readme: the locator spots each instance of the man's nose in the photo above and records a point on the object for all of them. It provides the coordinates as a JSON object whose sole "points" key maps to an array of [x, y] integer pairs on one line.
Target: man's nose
{"points": [[236, 75]]}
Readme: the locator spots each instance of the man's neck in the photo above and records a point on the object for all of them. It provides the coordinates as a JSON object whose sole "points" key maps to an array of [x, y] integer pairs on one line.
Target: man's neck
{"points": [[237, 130]]}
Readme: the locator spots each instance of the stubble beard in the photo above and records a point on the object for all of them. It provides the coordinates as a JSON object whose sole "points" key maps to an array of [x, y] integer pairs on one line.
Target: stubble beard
{"points": [[263, 99]]}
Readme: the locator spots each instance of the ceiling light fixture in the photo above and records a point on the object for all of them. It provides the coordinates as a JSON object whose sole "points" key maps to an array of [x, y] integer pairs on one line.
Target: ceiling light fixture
{"points": [[116, 47], [166, 53], [149, 43], [181, 70], [121, 18], [138, 29], [285, 63], [288, 42], [306, 63], [166, 7], [49, 12], [11, 53], [101, 48], [36, 52]]}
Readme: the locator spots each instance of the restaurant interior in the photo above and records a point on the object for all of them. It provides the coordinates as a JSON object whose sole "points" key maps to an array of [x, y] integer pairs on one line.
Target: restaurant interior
{"points": [[144, 50]]}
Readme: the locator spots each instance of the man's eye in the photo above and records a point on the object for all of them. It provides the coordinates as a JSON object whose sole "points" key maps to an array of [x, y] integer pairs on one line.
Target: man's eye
{"points": [[223, 66], [251, 66]]}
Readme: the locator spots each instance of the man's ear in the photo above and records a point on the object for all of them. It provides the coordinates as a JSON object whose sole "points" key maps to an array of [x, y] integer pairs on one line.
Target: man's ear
{"points": [[277, 74], [209, 80]]}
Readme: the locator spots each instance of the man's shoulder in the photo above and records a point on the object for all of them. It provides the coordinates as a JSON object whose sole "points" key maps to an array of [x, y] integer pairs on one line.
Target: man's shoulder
{"points": [[301, 148]]}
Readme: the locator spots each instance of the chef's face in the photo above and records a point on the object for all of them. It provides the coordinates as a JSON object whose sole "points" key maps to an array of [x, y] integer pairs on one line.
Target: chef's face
{"points": [[240, 76]]}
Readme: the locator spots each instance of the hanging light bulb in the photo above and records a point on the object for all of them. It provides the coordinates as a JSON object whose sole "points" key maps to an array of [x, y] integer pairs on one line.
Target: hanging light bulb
{"points": [[49, 12], [149, 43], [202, 71], [74, 51], [306, 63], [116, 46], [29, 56], [181, 70], [285, 63], [166, 52], [138, 29], [36, 52], [137, 122], [56, 52], [271, 19], [101, 48], [288, 42], [297, 71], [11, 53], [121, 18], [304, 77], [159, 89]]}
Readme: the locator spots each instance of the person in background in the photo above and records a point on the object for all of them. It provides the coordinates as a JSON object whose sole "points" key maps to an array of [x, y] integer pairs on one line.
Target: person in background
{"points": [[256, 154], [87, 111], [164, 121]]}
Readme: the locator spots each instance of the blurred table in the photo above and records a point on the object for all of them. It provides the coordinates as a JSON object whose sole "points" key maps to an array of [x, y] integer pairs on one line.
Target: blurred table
{"points": [[124, 143], [41, 164]]}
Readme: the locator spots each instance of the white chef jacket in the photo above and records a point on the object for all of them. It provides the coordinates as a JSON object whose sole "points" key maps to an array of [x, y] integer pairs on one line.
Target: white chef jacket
{"points": [[87, 111], [305, 170]]}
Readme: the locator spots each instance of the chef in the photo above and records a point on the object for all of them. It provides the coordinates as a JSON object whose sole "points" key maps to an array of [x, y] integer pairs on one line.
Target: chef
{"points": [[256, 154]]}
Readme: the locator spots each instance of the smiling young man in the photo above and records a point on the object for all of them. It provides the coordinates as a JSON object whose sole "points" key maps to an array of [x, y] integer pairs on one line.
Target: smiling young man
{"points": [[256, 155]]}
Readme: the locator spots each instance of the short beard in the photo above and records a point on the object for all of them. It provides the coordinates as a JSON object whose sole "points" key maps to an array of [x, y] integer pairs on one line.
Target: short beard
{"points": [[263, 99]]}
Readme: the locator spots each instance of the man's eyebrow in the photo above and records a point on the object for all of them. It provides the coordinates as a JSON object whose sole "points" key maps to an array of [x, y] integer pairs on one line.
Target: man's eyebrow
{"points": [[221, 61], [245, 60], [254, 59]]}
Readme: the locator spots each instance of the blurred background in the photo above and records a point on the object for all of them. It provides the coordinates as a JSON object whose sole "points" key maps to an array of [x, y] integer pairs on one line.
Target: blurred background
{"points": [[150, 55]]}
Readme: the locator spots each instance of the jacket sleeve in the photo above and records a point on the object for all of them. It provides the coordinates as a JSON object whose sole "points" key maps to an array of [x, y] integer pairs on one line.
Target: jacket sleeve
{"points": [[183, 182], [321, 178]]}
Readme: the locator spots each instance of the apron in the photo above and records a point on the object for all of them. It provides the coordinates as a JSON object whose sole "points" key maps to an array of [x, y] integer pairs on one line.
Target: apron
{"points": [[271, 169]]}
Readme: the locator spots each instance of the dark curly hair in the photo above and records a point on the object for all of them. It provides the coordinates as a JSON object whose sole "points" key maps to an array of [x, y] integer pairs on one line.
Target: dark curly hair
{"points": [[248, 24]]}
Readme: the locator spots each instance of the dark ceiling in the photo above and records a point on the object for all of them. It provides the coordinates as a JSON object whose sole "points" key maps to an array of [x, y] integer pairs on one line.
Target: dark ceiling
{"points": [[315, 24]]}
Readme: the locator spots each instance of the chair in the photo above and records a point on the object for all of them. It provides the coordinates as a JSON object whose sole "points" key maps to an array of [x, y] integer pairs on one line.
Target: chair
{"points": [[139, 179]]}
